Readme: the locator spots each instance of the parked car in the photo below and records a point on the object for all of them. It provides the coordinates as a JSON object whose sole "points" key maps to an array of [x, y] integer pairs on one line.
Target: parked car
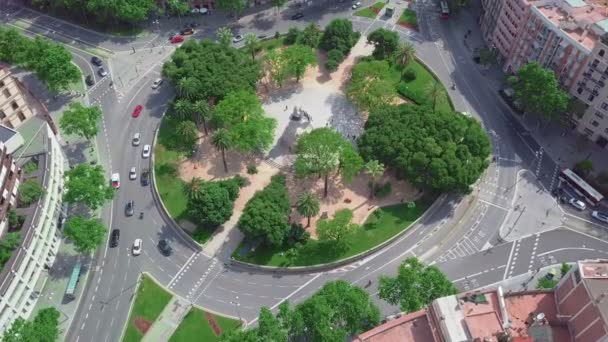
{"points": [[114, 238], [578, 204], [116, 180], [136, 139], [133, 174], [96, 60], [145, 177], [130, 208], [157, 83], [137, 110], [356, 5], [177, 39], [598, 215], [146, 151], [137, 245], [297, 16], [102, 72], [89, 80], [164, 247], [187, 31], [237, 38]]}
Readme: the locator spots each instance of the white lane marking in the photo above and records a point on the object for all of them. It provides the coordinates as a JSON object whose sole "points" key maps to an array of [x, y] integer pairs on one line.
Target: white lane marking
{"points": [[569, 248], [479, 273], [186, 265], [493, 204], [509, 260]]}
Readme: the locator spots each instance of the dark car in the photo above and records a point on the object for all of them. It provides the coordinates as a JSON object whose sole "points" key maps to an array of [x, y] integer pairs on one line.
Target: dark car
{"points": [[89, 80], [187, 31], [297, 16], [102, 72], [130, 208], [164, 247], [96, 60], [145, 177], [114, 238]]}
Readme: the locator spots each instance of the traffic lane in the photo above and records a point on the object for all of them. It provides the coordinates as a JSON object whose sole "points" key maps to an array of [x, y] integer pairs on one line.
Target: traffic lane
{"points": [[561, 238], [569, 254], [524, 254], [486, 277], [494, 257]]}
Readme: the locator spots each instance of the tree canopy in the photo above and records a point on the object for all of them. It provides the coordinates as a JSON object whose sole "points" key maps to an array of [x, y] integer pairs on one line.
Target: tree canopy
{"points": [[213, 206], [339, 34], [103, 11], [385, 42], [415, 285], [81, 120], [539, 92], [87, 234], [371, 84], [336, 229], [298, 58], [88, 185], [440, 151], [233, 6], [217, 69], [43, 328], [323, 151]]}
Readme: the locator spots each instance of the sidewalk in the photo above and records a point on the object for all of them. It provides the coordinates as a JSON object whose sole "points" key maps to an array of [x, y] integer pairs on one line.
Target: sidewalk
{"points": [[168, 321]]}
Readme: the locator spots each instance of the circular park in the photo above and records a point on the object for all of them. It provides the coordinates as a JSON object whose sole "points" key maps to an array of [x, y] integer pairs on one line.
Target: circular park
{"points": [[310, 147]]}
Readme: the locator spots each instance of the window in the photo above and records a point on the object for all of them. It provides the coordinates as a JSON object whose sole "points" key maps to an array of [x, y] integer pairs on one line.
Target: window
{"points": [[1, 84], [15, 105], [601, 53], [599, 115], [595, 63], [594, 123], [2, 115], [588, 132], [7, 93], [21, 116], [606, 130], [604, 106], [579, 90], [590, 98]]}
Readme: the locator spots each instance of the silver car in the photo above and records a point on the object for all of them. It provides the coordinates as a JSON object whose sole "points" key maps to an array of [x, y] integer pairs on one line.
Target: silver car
{"points": [[598, 215], [578, 204]]}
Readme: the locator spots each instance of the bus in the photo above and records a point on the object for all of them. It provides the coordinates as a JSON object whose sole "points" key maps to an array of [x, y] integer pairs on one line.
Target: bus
{"points": [[70, 292], [445, 10], [581, 187]]}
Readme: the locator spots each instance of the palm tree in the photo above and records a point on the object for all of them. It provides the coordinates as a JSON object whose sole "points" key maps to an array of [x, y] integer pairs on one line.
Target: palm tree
{"points": [[251, 43], [203, 113], [308, 205], [434, 90], [187, 87], [374, 169], [193, 189], [404, 55], [221, 140], [182, 108], [187, 133], [224, 36]]}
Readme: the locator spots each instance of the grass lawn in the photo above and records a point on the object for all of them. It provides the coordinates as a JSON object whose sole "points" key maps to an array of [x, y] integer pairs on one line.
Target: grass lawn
{"points": [[408, 17], [417, 90], [374, 231], [271, 43], [196, 327], [150, 301], [372, 11]]}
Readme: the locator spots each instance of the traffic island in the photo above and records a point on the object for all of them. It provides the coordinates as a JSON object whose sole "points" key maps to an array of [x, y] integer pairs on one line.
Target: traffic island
{"points": [[200, 325], [371, 11]]}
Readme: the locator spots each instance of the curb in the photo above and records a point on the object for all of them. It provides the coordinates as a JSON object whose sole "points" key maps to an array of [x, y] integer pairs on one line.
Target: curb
{"points": [[124, 327], [332, 265]]}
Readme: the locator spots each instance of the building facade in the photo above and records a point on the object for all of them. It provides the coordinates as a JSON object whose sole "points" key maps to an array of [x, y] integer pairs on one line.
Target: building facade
{"points": [[39, 240], [10, 177], [14, 109]]}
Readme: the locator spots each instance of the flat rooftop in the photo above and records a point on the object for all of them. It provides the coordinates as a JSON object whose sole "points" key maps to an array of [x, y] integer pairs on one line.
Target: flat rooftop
{"points": [[558, 16], [411, 327]]}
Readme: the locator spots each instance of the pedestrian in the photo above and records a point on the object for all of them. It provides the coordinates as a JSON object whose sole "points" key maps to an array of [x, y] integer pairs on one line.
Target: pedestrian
{"points": [[286, 107]]}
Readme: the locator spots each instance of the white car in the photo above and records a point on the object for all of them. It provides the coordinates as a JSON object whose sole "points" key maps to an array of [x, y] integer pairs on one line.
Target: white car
{"points": [[237, 38], [356, 5], [133, 174], [137, 245], [157, 83], [578, 204], [136, 139], [467, 114], [146, 151], [598, 215], [116, 180]]}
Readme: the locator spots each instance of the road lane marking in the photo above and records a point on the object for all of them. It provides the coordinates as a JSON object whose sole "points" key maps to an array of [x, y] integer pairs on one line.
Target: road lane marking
{"points": [[509, 260], [185, 266], [570, 248], [493, 204]]}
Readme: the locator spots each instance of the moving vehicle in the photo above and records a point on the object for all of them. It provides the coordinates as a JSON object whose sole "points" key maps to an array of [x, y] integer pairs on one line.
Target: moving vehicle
{"points": [[581, 187], [177, 39], [356, 5], [136, 139], [578, 204], [187, 31], [157, 83], [116, 180], [96, 61], [164, 247], [137, 111], [102, 72], [237, 38], [145, 177], [114, 238], [89, 80], [445, 10], [297, 16], [137, 245], [600, 216], [133, 174], [130, 208], [146, 151]]}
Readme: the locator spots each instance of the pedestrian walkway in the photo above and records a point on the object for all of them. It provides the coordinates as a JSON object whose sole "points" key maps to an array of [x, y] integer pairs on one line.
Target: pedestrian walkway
{"points": [[168, 321]]}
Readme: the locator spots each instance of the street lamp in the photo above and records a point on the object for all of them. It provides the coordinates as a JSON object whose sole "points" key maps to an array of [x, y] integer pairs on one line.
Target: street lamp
{"points": [[237, 304]]}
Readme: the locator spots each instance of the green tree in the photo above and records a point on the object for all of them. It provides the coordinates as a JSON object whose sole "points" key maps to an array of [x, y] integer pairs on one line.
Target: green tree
{"points": [[385, 43], [434, 90], [213, 206], [545, 283], [224, 36], [310, 36], [178, 7], [292, 36], [564, 269], [584, 167], [30, 191], [276, 65], [339, 34], [182, 109], [298, 58], [278, 4], [439, 151], [203, 113], [87, 184], [336, 229], [323, 151], [415, 286], [371, 84], [86, 234], [374, 169], [241, 114], [8, 244], [233, 6], [43, 328], [222, 141], [187, 133], [81, 120], [538, 91], [188, 88], [252, 43], [308, 205], [404, 55], [52, 63], [194, 188]]}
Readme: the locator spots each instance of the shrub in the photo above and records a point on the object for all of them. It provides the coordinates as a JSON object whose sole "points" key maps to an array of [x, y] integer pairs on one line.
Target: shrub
{"points": [[252, 169], [214, 205], [29, 192], [379, 213], [13, 219], [277, 35], [30, 167], [383, 190], [416, 95], [334, 58], [292, 36], [409, 75], [297, 235], [233, 186]]}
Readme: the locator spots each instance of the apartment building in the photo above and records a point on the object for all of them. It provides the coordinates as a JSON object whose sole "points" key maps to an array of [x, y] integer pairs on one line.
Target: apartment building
{"points": [[10, 178], [22, 276], [14, 109]]}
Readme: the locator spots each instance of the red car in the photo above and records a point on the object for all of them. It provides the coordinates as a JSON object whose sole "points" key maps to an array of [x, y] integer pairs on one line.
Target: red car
{"points": [[177, 39], [137, 111]]}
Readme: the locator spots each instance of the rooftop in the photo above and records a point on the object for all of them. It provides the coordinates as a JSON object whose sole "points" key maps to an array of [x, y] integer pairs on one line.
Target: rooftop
{"points": [[411, 327], [575, 25], [6, 133]]}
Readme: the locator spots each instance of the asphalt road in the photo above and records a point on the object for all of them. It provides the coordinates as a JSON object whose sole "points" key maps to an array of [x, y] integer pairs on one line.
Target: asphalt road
{"points": [[460, 235]]}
